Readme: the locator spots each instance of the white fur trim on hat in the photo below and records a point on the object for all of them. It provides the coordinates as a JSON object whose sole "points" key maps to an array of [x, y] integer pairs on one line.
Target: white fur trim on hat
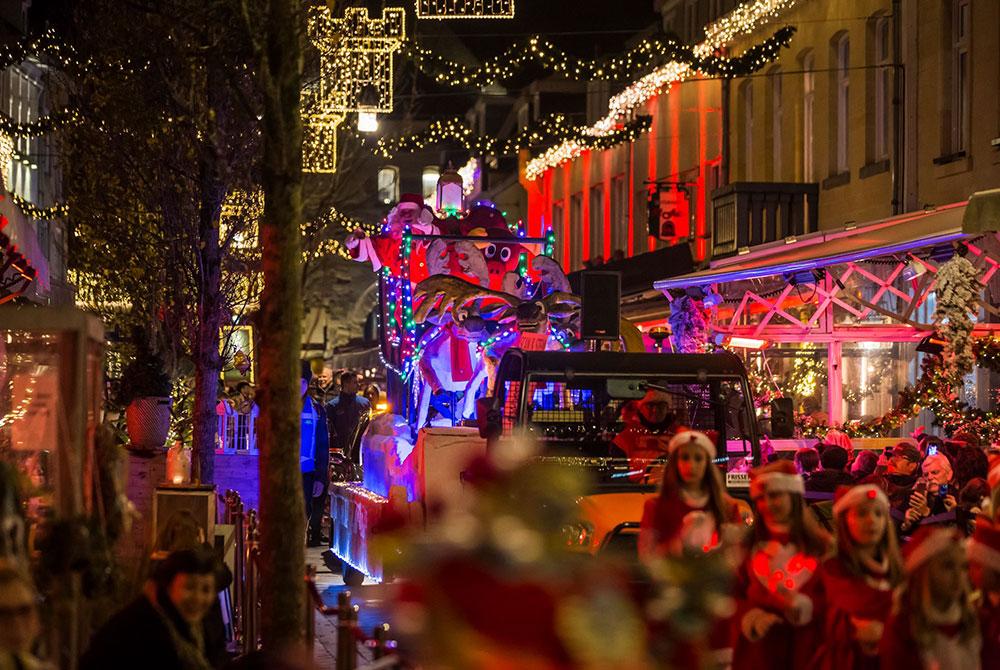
{"points": [[937, 541], [860, 494], [695, 437], [777, 481], [993, 478], [984, 555]]}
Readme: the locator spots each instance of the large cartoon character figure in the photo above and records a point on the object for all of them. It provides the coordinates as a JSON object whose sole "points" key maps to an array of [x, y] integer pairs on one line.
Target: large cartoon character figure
{"points": [[384, 249]]}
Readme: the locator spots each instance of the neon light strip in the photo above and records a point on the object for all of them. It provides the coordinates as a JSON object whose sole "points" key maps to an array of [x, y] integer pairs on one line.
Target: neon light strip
{"points": [[810, 264]]}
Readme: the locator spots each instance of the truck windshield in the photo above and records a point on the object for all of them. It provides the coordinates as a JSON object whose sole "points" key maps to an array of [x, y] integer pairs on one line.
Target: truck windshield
{"points": [[619, 427]]}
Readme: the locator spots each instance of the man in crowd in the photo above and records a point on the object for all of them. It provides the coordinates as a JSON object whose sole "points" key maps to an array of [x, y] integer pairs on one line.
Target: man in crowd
{"points": [[314, 458], [832, 473], [323, 389], [344, 414], [900, 475]]}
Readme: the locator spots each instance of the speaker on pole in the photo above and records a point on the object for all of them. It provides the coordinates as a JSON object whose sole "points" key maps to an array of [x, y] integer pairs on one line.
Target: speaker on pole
{"points": [[601, 310], [782, 418]]}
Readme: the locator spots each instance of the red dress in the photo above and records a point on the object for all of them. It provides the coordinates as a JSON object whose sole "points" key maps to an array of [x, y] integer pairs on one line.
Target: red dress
{"points": [[899, 651], [671, 525], [848, 596], [989, 624], [775, 576]]}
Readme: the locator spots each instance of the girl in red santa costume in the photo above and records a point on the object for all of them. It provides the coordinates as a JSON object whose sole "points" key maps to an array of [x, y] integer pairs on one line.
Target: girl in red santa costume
{"points": [[692, 506], [859, 580], [778, 589], [688, 517], [984, 568], [934, 625]]}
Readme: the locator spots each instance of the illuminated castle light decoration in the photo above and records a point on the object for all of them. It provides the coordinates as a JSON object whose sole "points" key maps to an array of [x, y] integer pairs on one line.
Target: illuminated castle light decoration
{"points": [[465, 9], [356, 75]]}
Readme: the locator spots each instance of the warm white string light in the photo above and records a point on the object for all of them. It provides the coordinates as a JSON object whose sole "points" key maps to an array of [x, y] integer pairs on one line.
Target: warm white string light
{"points": [[743, 20], [465, 9]]}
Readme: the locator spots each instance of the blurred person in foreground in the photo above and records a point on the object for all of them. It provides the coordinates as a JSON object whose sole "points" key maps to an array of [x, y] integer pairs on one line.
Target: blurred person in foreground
{"points": [[934, 625], [20, 625], [164, 628]]}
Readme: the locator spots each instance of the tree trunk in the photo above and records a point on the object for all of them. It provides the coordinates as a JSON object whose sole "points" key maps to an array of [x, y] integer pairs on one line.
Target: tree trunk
{"points": [[282, 508]]}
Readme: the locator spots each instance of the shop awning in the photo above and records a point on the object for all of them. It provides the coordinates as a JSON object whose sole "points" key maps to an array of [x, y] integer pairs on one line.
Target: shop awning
{"points": [[983, 213], [895, 235]]}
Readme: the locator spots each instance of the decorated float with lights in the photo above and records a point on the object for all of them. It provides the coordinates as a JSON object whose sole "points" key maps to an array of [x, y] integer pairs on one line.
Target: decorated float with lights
{"points": [[480, 336]]}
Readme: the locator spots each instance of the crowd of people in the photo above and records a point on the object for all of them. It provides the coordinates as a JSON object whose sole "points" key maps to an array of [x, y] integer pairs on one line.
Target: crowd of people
{"points": [[847, 562]]}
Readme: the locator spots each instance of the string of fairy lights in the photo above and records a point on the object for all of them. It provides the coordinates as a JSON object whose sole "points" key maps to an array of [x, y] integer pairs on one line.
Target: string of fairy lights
{"points": [[465, 9], [624, 104], [556, 128]]}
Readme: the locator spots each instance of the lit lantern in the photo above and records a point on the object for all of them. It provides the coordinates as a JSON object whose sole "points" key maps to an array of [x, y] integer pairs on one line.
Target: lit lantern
{"points": [[450, 192], [367, 121]]}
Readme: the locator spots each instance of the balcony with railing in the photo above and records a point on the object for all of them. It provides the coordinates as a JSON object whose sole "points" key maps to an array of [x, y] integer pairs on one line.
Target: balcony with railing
{"points": [[747, 214]]}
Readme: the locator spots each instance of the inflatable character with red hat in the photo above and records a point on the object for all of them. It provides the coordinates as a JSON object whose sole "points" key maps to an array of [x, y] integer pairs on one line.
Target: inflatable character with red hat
{"points": [[384, 250]]}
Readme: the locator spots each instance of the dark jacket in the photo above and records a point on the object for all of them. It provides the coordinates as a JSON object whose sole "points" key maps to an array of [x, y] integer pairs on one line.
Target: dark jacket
{"points": [[897, 487], [827, 481], [139, 637], [316, 458], [344, 413]]}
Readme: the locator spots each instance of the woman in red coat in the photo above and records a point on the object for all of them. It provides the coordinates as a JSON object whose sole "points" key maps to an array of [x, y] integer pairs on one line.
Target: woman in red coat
{"points": [[984, 568], [934, 625], [688, 516], [778, 592], [859, 580]]}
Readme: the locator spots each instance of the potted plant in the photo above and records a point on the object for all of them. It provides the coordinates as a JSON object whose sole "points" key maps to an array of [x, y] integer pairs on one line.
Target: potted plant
{"points": [[145, 392]]}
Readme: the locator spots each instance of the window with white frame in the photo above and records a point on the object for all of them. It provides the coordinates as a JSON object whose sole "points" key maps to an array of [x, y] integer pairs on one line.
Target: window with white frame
{"points": [[558, 229], [428, 182], [748, 130], [388, 184], [597, 222], [843, 83], [808, 104], [883, 96], [619, 215], [575, 231], [22, 94], [960, 27], [777, 121]]}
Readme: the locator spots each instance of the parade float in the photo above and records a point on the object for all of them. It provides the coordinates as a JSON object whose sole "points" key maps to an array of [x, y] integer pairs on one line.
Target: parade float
{"points": [[481, 338]]}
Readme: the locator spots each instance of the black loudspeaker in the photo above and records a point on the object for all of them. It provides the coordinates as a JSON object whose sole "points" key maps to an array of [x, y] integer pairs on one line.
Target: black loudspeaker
{"points": [[782, 418], [601, 293]]}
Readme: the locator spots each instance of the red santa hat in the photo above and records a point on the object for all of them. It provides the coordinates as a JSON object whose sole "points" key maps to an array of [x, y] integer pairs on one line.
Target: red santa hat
{"points": [[847, 497], [984, 547], [778, 476], [410, 199], [693, 437], [927, 543], [994, 474]]}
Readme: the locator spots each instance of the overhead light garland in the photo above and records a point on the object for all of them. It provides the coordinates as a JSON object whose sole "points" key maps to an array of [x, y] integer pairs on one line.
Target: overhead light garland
{"points": [[742, 21], [555, 128], [640, 58], [35, 212], [465, 9], [54, 121]]}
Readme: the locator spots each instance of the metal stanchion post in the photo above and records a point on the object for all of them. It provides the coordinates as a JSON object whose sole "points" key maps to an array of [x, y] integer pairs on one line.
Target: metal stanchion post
{"points": [[309, 585], [239, 575], [251, 605], [347, 653], [380, 637]]}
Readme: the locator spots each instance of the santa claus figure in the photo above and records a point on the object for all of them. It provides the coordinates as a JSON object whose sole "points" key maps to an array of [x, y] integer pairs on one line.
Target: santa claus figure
{"points": [[649, 425], [779, 612], [984, 568], [385, 250], [859, 580]]}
